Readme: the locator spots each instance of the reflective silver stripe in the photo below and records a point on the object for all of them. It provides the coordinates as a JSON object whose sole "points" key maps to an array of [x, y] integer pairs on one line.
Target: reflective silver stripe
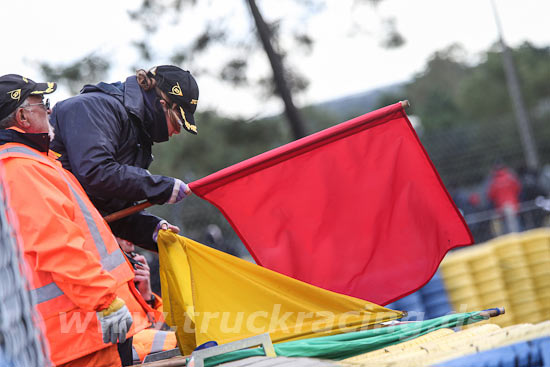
{"points": [[108, 261], [158, 341], [20, 150], [46, 292]]}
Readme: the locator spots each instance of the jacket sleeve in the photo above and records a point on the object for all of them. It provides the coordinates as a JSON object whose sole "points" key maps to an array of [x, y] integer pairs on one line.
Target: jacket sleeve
{"points": [[51, 237], [92, 131], [137, 228]]}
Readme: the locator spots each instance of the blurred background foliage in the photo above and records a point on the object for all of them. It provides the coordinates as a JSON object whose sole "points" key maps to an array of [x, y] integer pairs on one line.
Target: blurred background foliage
{"points": [[467, 115], [464, 119], [241, 44], [461, 109]]}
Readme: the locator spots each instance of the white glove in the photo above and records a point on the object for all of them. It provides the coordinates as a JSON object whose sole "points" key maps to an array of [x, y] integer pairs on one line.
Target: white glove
{"points": [[164, 225], [180, 191], [115, 322]]}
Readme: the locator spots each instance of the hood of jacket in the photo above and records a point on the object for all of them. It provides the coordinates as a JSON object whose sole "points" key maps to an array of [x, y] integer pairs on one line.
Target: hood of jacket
{"points": [[128, 93], [132, 98], [131, 95]]}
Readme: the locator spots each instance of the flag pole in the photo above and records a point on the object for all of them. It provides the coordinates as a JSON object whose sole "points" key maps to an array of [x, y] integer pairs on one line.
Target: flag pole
{"points": [[492, 312], [143, 205], [126, 212]]}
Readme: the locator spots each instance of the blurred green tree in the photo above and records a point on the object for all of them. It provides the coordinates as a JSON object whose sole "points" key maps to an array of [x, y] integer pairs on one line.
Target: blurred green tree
{"points": [[285, 80], [466, 112], [483, 94], [90, 69]]}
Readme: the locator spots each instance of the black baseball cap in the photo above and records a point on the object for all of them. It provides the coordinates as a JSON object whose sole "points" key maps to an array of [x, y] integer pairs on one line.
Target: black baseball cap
{"points": [[181, 88], [14, 89]]}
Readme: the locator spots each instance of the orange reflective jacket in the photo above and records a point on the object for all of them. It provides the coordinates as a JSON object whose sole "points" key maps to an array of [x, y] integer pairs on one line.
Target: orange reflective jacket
{"points": [[77, 265], [151, 341]]}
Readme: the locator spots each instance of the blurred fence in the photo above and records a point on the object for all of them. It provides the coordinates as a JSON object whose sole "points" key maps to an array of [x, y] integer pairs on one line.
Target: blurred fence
{"points": [[465, 156], [465, 153], [21, 343]]}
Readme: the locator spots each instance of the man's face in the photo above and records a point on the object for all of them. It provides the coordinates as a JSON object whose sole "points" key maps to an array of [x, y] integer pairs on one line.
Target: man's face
{"points": [[37, 116], [126, 246]]}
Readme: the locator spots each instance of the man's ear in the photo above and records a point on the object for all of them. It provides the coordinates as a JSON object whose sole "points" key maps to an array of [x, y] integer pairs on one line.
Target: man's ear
{"points": [[164, 104], [21, 119]]}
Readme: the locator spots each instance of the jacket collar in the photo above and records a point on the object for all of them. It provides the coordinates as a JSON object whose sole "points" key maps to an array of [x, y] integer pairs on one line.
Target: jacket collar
{"points": [[40, 142], [128, 93], [133, 99]]}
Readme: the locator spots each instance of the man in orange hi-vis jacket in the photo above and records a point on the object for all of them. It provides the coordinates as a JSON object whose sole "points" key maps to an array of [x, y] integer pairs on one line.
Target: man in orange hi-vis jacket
{"points": [[82, 283], [150, 340]]}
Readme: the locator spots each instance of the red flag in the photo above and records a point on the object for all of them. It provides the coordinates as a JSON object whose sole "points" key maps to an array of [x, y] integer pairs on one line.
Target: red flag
{"points": [[357, 209]]}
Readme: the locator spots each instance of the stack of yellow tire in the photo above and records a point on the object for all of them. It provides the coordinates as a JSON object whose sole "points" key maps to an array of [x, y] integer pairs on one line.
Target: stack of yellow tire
{"points": [[439, 347], [511, 271], [536, 248]]}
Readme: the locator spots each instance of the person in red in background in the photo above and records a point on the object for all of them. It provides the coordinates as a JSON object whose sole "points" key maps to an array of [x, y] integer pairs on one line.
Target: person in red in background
{"points": [[504, 191]]}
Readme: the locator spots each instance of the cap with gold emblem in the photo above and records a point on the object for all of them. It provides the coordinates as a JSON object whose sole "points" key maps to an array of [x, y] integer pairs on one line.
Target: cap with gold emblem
{"points": [[14, 89], [180, 86]]}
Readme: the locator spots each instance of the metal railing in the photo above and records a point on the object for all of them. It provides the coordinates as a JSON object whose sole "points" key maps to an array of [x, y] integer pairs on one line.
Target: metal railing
{"points": [[491, 223]]}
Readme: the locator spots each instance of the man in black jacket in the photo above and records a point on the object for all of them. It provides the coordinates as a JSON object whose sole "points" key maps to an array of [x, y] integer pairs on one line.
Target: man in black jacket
{"points": [[105, 135]]}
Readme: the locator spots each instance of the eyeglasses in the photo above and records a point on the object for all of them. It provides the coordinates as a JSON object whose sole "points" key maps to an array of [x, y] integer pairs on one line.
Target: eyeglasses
{"points": [[45, 104]]}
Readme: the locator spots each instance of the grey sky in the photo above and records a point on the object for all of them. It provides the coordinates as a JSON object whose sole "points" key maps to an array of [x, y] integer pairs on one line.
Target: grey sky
{"points": [[342, 63]]}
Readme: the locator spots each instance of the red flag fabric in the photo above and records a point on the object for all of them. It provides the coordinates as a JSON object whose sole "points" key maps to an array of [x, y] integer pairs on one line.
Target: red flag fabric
{"points": [[357, 209]]}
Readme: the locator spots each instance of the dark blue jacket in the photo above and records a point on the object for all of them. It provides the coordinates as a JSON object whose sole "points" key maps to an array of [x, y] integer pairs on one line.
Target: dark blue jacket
{"points": [[104, 138]]}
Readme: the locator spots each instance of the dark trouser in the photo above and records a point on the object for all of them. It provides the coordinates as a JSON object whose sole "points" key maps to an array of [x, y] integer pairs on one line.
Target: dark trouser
{"points": [[125, 352]]}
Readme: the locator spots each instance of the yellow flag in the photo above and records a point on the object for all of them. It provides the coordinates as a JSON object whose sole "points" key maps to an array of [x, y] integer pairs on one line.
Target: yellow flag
{"points": [[210, 295]]}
